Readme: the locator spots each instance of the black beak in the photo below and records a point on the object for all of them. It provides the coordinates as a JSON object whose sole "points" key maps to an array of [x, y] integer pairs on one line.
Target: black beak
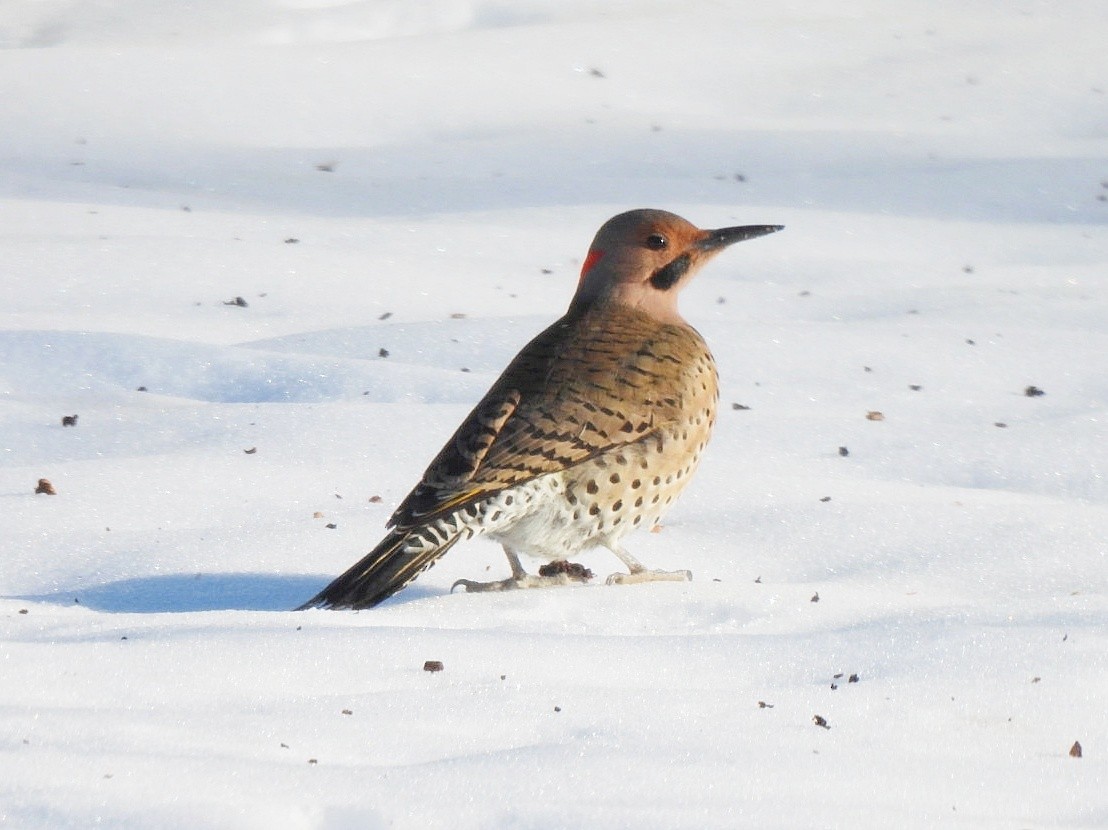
{"points": [[723, 237]]}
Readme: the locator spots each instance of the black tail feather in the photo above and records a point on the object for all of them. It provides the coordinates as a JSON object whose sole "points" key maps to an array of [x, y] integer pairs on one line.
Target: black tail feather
{"points": [[379, 574]]}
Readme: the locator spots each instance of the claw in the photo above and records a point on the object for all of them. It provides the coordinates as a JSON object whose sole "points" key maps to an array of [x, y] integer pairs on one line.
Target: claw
{"points": [[522, 581]]}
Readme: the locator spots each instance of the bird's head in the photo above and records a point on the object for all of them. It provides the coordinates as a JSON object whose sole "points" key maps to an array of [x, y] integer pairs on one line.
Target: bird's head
{"points": [[643, 258]]}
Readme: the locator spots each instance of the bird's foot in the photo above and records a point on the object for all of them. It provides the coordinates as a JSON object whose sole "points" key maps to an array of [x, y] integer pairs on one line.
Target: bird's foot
{"points": [[552, 575], [646, 575], [525, 581]]}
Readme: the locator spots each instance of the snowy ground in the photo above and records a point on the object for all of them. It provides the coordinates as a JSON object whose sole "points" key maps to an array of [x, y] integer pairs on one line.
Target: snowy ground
{"points": [[362, 173]]}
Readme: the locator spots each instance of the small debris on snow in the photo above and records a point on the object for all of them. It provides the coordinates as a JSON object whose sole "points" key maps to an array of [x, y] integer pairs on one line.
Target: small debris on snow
{"points": [[45, 488], [433, 666], [374, 499], [1075, 750], [844, 452], [1033, 392], [571, 569], [874, 415], [815, 597], [238, 301], [763, 705], [69, 420], [852, 679], [738, 407], [820, 720], [251, 451]]}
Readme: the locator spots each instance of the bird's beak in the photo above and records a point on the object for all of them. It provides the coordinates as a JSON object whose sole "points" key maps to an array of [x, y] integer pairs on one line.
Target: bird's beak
{"points": [[722, 237]]}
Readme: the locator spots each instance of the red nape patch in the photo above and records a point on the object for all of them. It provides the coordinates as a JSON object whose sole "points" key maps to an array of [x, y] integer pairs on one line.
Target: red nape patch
{"points": [[590, 260]]}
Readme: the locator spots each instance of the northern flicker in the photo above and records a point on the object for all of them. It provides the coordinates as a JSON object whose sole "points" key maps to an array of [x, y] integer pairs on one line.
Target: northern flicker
{"points": [[593, 430]]}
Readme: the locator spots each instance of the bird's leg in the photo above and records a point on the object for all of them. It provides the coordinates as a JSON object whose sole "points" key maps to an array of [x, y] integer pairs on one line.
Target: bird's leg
{"points": [[640, 573], [521, 579]]}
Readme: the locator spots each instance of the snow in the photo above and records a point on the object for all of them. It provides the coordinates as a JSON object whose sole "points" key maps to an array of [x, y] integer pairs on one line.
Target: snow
{"points": [[424, 178]]}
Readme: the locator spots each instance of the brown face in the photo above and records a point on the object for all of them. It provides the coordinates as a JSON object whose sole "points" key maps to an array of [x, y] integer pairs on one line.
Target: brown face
{"points": [[642, 258], [635, 247]]}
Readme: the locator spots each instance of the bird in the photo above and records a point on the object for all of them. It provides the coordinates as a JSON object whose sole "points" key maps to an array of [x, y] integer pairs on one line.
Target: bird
{"points": [[591, 431]]}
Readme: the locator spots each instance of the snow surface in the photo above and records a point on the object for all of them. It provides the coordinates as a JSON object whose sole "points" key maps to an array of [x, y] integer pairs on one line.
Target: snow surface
{"points": [[362, 173]]}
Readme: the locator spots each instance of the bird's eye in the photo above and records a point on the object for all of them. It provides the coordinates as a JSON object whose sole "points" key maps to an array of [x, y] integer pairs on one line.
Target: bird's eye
{"points": [[656, 242]]}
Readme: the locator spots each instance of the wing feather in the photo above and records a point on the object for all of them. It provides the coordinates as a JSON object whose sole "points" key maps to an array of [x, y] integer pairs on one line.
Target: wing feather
{"points": [[582, 387]]}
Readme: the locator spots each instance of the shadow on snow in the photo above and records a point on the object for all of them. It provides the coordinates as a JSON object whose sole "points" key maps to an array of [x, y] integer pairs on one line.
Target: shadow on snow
{"points": [[192, 592]]}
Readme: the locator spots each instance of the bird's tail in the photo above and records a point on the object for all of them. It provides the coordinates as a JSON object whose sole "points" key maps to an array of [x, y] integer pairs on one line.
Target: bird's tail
{"points": [[399, 558]]}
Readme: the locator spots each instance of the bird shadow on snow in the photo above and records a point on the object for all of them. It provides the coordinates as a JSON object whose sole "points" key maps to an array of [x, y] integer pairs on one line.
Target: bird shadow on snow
{"points": [[192, 592]]}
